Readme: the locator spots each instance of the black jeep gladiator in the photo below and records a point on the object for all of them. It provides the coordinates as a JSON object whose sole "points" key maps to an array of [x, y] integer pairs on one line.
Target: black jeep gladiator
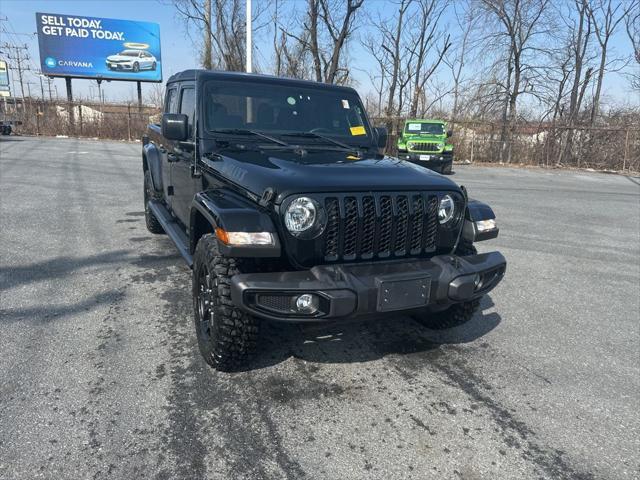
{"points": [[276, 193]]}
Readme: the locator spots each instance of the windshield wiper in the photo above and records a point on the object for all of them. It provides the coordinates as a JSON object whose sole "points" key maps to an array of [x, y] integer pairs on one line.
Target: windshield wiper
{"points": [[242, 131], [351, 148]]}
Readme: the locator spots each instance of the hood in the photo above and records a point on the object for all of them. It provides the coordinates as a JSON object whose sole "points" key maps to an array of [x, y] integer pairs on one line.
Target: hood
{"points": [[324, 171], [413, 137]]}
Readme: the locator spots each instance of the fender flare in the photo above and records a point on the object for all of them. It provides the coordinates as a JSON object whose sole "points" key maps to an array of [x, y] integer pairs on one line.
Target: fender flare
{"points": [[151, 157], [475, 212], [227, 210]]}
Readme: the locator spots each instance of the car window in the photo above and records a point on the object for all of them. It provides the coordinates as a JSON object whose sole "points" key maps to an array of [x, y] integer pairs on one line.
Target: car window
{"points": [[170, 105], [187, 106], [285, 109]]}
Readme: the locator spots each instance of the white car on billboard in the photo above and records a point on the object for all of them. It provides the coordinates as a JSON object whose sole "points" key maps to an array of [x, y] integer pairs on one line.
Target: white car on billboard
{"points": [[131, 61]]}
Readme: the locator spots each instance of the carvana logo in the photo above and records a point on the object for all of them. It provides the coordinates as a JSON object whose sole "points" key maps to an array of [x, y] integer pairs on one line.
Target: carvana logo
{"points": [[50, 62]]}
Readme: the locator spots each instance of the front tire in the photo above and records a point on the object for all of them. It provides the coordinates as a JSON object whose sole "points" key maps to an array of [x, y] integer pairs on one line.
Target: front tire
{"points": [[136, 67], [227, 336], [457, 314], [153, 225]]}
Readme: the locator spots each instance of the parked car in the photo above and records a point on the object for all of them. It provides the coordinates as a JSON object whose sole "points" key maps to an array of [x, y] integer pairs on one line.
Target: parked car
{"points": [[426, 142], [276, 194], [132, 60]]}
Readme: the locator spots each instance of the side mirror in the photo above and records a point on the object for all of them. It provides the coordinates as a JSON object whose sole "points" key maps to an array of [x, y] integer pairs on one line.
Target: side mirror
{"points": [[382, 135], [175, 126], [449, 133]]}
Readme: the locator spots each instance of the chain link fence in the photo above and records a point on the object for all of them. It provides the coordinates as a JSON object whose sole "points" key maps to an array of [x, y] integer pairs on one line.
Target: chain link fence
{"points": [[614, 147], [117, 121]]}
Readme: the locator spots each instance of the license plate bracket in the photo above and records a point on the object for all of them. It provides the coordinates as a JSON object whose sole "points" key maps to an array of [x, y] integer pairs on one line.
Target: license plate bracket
{"points": [[402, 291]]}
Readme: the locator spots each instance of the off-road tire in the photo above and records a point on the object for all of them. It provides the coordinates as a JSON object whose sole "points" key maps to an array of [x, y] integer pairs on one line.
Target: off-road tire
{"points": [[153, 225], [457, 314], [447, 169], [227, 336]]}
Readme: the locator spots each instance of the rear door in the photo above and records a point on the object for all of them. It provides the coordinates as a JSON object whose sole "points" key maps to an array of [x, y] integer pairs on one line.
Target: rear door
{"points": [[184, 185]]}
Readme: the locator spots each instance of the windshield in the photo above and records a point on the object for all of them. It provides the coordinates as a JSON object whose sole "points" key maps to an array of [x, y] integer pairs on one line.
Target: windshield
{"points": [[129, 53], [428, 128], [285, 110]]}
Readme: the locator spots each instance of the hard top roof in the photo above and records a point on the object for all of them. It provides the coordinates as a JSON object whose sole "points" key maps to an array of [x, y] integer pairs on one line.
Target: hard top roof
{"points": [[187, 75], [423, 120]]}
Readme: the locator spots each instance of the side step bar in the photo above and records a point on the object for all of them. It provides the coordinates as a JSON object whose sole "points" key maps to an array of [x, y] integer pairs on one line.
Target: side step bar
{"points": [[173, 229]]}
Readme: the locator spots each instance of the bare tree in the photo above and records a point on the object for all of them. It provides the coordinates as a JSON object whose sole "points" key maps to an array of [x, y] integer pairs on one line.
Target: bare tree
{"points": [[428, 39], [457, 61], [222, 25], [325, 32], [387, 43], [632, 27], [580, 31], [517, 22], [605, 16]]}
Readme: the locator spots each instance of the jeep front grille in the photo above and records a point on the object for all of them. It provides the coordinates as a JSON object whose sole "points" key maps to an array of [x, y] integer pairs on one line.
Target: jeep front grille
{"points": [[425, 147], [361, 226]]}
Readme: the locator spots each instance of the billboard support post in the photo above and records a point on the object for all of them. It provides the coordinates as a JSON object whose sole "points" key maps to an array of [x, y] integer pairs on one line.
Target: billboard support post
{"points": [[67, 81], [139, 95]]}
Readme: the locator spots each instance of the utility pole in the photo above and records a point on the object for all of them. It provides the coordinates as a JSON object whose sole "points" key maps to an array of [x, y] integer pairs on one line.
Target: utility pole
{"points": [[208, 49], [248, 36], [18, 57]]}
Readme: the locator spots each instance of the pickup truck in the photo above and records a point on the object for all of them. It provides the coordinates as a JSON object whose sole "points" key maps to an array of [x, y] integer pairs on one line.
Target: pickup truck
{"points": [[426, 142], [277, 195]]}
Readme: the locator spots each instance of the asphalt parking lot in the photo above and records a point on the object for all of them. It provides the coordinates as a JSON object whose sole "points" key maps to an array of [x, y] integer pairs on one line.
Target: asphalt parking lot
{"points": [[101, 378]]}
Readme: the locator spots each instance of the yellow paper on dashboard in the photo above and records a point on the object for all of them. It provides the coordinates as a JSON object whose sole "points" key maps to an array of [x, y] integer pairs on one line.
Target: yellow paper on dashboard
{"points": [[359, 130]]}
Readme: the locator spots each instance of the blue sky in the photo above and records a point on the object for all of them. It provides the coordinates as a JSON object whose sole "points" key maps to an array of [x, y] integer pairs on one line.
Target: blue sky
{"points": [[178, 51]]}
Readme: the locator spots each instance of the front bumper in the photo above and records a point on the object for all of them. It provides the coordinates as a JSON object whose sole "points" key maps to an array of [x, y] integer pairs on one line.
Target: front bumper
{"points": [[428, 159], [119, 66], [369, 289]]}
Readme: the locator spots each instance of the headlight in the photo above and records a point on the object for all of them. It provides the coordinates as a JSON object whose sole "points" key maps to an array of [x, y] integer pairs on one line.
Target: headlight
{"points": [[411, 145], [301, 214], [440, 146], [446, 209]]}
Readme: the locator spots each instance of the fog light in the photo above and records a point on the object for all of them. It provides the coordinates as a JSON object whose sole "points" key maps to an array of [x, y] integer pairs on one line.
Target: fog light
{"points": [[486, 225], [307, 303]]}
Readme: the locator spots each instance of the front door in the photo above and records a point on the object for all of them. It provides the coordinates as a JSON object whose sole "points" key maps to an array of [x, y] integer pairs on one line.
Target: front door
{"points": [[184, 184]]}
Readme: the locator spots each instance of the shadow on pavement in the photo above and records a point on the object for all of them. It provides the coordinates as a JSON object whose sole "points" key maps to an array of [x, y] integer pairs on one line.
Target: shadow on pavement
{"points": [[55, 268], [364, 340], [46, 313]]}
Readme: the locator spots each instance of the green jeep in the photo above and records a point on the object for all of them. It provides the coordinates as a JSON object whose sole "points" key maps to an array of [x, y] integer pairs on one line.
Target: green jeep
{"points": [[425, 142]]}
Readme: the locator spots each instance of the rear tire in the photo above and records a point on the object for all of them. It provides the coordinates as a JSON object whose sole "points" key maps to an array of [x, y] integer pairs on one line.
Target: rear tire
{"points": [[457, 314], [227, 336], [153, 225]]}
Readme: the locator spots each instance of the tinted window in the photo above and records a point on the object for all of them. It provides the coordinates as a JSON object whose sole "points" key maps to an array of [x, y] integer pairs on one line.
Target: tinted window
{"points": [[187, 106], [282, 109]]}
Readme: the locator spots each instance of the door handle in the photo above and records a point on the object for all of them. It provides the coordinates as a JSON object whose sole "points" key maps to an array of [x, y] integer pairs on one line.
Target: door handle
{"points": [[172, 157]]}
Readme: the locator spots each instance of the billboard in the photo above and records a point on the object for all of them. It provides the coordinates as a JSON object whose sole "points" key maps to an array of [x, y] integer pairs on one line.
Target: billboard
{"points": [[99, 48], [4, 79]]}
